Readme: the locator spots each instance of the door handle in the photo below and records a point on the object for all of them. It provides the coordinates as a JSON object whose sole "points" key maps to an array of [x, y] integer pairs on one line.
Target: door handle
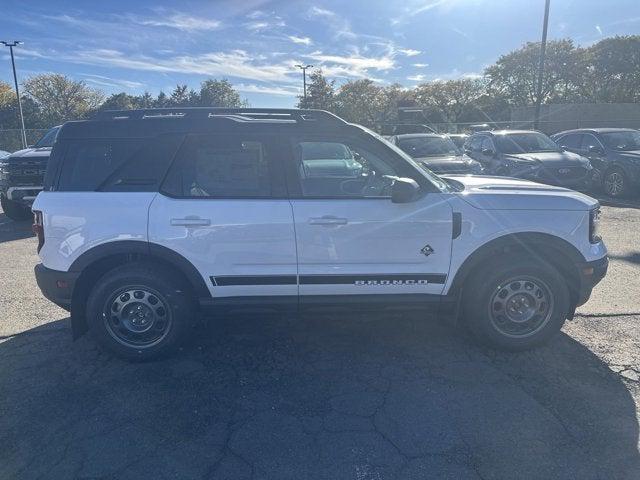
{"points": [[190, 222], [328, 220]]}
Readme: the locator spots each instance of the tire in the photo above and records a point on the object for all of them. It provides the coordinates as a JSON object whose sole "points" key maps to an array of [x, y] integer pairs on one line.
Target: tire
{"points": [[15, 211], [516, 304], [615, 183], [140, 312]]}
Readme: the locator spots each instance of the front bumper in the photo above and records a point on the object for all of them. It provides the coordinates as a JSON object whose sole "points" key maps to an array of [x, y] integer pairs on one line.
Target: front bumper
{"points": [[591, 273], [55, 285]]}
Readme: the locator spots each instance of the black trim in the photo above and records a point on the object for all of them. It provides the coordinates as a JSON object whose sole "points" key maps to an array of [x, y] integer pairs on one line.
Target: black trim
{"points": [[235, 280], [588, 281], [55, 285], [457, 225], [349, 279]]}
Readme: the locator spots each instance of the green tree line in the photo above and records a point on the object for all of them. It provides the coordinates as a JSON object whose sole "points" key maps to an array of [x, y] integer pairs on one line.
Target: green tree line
{"points": [[607, 71]]}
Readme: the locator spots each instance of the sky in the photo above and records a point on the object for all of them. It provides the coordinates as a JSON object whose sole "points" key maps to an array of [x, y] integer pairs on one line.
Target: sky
{"points": [[153, 45]]}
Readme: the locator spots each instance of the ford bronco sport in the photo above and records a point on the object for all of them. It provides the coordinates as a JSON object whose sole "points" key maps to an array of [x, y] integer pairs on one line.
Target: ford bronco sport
{"points": [[149, 217]]}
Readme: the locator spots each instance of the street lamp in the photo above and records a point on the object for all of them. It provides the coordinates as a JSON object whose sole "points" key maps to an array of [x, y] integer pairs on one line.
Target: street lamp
{"points": [[304, 78], [543, 49], [15, 80]]}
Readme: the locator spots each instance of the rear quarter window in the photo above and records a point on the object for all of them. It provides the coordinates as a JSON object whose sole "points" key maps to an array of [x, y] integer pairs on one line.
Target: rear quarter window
{"points": [[116, 164]]}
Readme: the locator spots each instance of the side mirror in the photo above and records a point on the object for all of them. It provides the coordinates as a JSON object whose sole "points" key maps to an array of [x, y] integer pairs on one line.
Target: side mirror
{"points": [[488, 152], [404, 190], [595, 149]]}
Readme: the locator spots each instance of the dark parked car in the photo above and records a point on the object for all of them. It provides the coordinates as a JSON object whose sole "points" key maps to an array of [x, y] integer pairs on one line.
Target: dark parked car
{"points": [[613, 152], [22, 175], [436, 152], [529, 155], [459, 139]]}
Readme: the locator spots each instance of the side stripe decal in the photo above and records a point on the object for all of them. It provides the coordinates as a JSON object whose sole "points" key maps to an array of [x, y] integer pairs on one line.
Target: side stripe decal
{"points": [[381, 279]]}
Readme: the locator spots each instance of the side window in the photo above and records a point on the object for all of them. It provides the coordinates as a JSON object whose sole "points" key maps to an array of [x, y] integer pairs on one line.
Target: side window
{"points": [[220, 166], [570, 141], [337, 169], [474, 143], [588, 141], [487, 143], [88, 164]]}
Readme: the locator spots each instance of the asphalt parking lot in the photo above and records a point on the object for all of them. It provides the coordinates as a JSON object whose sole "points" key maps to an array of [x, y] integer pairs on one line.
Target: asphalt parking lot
{"points": [[324, 397]]}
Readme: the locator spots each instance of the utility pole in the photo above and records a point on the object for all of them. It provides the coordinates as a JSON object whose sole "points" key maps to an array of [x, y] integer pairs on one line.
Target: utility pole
{"points": [[304, 79], [543, 51], [15, 80]]}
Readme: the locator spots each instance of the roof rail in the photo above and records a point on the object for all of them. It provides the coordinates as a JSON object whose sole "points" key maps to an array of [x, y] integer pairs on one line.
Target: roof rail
{"points": [[241, 114]]}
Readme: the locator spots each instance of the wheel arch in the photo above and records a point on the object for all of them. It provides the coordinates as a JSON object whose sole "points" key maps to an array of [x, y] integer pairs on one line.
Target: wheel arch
{"points": [[547, 248], [97, 261]]}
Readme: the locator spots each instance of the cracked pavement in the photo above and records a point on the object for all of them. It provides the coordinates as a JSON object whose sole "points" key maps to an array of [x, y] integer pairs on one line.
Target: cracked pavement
{"points": [[354, 396]]}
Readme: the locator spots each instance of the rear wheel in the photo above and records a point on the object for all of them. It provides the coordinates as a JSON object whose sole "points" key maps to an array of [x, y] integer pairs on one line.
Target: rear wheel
{"points": [[140, 312], [615, 183], [517, 305], [15, 211]]}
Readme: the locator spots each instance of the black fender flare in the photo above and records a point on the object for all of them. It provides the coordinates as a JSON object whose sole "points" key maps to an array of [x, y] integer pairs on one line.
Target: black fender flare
{"points": [[531, 242]]}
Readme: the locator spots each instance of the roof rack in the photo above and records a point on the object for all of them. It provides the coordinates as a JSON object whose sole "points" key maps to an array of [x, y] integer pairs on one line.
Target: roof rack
{"points": [[238, 114]]}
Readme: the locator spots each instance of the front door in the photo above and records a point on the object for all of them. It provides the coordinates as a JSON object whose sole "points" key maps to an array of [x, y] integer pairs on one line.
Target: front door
{"points": [[223, 207], [351, 238]]}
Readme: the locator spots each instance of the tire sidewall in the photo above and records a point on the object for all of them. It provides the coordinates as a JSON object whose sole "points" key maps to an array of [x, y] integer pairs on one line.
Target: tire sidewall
{"points": [[476, 305], [178, 299]]}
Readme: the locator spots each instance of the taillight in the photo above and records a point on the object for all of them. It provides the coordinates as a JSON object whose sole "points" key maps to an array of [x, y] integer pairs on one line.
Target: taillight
{"points": [[38, 228]]}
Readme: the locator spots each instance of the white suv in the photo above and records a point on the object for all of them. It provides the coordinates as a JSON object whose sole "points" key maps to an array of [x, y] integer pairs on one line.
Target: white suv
{"points": [[149, 217]]}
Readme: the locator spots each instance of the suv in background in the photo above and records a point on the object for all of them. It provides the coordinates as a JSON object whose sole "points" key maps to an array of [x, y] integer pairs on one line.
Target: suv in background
{"points": [[613, 152], [459, 139], [530, 155], [22, 174], [436, 152], [149, 217]]}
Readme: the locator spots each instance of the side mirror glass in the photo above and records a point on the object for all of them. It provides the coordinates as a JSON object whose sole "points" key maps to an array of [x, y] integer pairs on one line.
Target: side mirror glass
{"points": [[404, 190]]}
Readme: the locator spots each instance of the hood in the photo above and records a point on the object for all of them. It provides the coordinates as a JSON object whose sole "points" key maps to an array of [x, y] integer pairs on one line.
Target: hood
{"points": [[504, 193], [29, 153], [446, 162], [551, 159]]}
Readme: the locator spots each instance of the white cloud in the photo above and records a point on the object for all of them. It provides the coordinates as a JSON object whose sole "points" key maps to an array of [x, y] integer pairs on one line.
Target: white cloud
{"points": [[420, 65], [321, 12], [110, 82], [235, 63], [257, 25], [268, 90], [409, 52], [300, 40], [417, 78], [599, 29], [355, 66], [340, 25], [183, 22]]}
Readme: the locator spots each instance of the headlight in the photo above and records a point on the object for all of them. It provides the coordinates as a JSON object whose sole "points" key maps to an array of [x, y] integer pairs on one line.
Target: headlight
{"points": [[594, 225]]}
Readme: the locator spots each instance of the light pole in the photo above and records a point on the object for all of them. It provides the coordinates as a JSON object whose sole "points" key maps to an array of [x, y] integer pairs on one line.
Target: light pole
{"points": [[15, 80], [543, 50], [304, 79]]}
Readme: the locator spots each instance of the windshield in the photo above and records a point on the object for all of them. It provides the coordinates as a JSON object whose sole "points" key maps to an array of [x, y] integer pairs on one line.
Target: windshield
{"points": [[428, 146], [624, 141], [432, 177], [48, 138], [528, 142]]}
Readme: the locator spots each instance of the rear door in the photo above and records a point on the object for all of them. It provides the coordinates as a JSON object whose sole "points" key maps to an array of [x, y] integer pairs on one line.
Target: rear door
{"points": [[223, 207], [351, 238]]}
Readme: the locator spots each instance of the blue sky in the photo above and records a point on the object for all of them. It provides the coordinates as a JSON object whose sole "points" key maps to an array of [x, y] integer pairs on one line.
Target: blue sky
{"points": [[153, 45]]}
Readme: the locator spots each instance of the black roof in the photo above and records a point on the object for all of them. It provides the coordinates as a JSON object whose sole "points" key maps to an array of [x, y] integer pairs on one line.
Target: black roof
{"points": [[151, 122]]}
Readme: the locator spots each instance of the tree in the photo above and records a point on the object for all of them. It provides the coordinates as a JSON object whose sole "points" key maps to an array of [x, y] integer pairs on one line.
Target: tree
{"points": [[60, 98], [614, 69], [320, 93], [362, 102], [120, 101], [514, 75], [454, 100], [219, 93]]}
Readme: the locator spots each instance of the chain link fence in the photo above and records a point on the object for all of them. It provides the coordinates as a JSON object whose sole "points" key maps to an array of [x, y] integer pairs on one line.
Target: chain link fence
{"points": [[11, 139]]}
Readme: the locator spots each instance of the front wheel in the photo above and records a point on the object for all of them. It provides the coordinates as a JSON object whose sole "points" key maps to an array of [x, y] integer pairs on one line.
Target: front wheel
{"points": [[15, 211], [139, 312], [517, 304]]}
